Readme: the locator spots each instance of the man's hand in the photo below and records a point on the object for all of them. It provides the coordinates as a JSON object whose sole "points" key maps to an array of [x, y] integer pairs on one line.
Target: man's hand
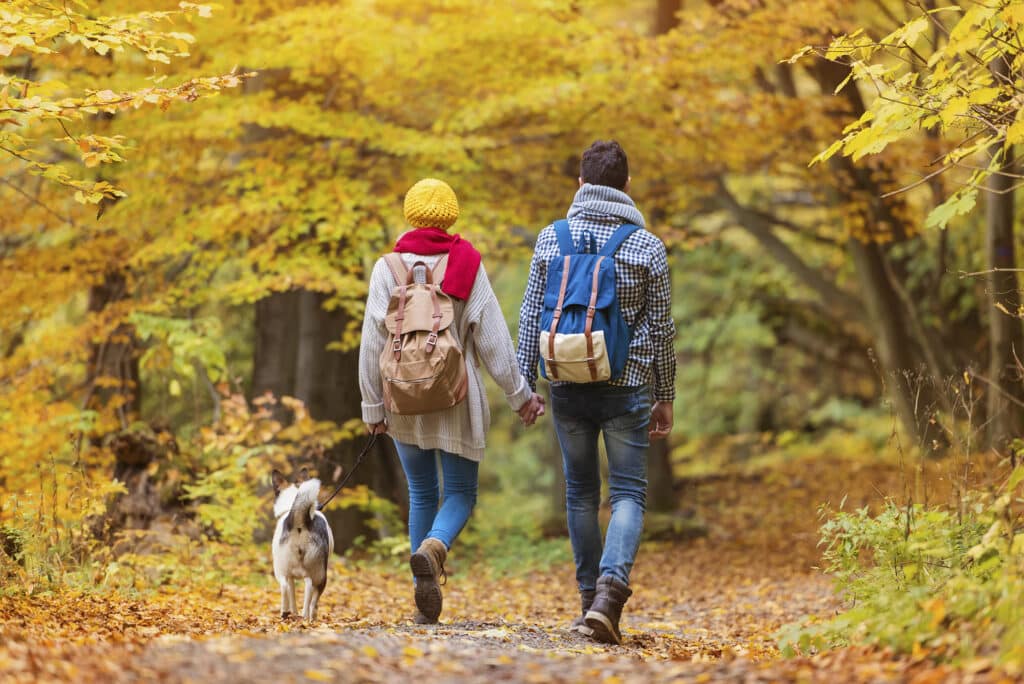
{"points": [[376, 428], [531, 410], [661, 420]]}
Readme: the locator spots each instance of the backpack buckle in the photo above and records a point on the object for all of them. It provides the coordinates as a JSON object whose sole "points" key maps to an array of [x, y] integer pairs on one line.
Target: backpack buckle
{"points": [[431, 341], [396, 346]]}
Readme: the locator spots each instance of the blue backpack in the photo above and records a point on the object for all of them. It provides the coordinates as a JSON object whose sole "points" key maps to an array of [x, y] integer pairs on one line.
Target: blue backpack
{"points": [[583, 335]]}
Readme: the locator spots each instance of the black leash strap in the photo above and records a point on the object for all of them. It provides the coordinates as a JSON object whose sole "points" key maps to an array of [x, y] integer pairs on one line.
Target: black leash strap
{"points": [[344, 480]]}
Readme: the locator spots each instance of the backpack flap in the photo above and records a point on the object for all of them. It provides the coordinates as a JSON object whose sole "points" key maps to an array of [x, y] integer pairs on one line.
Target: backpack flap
{"points": [[573, 360], [419, 310]]}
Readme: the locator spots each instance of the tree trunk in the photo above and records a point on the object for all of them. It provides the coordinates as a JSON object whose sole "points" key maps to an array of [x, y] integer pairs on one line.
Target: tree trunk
{"points": [[661, 497], [315, 366], [277, 319], [666, 15], [113, 367], [660, 492], [115, 391], [554, 524], [1005, 338], [898, 365]]}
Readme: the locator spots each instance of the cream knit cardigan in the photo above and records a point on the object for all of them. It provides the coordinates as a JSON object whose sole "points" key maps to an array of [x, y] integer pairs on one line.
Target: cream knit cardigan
{"points": [[462, 428]]}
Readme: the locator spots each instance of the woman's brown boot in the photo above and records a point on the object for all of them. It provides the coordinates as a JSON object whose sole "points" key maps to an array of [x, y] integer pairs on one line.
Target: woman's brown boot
{"points": [[427, 566]]}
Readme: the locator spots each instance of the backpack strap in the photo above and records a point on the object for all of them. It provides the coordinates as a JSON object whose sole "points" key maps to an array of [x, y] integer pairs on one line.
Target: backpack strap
{"points": [[552, 366], [564, 237], [618, 237], [588, 329], [437, 273], [396, 340], [396, 266], [403, 276]]}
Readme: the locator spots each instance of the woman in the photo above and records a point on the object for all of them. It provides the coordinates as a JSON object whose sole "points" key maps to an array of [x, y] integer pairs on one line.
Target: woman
{"points": [[458, 432]]}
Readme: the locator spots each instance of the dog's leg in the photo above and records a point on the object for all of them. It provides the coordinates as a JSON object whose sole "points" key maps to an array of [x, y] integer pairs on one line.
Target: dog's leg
{"points": [[291, 595], [284, 598], [307, 594], [317, 592]]}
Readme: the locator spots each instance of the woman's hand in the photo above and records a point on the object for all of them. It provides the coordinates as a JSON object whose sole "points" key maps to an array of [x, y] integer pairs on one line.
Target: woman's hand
{"points": [[376, 428], [531, 410]]}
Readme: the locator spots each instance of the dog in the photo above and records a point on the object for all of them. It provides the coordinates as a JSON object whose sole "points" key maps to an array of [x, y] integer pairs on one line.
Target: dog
{"points": [[303, 542]]}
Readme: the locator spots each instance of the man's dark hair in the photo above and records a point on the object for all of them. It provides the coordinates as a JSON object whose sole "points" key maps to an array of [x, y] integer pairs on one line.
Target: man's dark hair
{"points": [[604, 163]]}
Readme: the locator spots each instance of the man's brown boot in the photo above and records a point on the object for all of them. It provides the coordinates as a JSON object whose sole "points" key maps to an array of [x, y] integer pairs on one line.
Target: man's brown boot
{"points": [[427, 565], [579, 625], [606, 611]]}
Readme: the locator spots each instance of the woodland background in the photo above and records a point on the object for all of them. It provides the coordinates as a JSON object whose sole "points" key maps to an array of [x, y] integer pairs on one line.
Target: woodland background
{"points": [[193, 196]]}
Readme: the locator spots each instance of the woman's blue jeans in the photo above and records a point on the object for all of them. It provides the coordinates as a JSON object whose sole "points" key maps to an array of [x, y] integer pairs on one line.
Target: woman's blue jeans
{"points": [[623, 414], [460, 484]]}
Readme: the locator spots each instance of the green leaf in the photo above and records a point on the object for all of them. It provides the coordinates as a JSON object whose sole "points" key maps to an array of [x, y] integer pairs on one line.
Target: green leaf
{"points": [[959, 204]]}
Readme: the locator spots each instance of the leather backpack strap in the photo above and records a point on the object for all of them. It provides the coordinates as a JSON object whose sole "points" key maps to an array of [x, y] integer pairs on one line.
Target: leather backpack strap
{"points": [[436, 316], [401, 275], [552, 366], [437, 273], [396, 341], [397, 266], [588, 330]]}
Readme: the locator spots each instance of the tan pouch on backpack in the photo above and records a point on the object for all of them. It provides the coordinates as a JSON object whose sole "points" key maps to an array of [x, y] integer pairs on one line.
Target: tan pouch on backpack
{"points": [[423, 366]]}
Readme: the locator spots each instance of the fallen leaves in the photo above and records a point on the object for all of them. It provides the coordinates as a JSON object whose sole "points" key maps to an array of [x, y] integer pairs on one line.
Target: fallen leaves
{"points": [[704, 611]]}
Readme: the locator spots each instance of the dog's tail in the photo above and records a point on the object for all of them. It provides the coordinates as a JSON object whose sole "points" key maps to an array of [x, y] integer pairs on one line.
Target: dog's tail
{"points": [[305, 502]]}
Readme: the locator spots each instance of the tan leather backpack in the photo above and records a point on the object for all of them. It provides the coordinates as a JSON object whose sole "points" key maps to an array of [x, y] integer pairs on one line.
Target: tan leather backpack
{"points": [[422, 365]]}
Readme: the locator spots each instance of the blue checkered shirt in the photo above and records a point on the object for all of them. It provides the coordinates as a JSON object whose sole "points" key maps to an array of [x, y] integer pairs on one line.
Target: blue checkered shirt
{"points": [[645, 298]]}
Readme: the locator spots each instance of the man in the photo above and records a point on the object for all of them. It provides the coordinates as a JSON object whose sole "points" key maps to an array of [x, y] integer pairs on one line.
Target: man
{"points": [[630, 409]]}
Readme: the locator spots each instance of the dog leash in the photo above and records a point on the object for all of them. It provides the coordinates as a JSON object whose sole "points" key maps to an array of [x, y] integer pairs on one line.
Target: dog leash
{"points": [[344, 480]]}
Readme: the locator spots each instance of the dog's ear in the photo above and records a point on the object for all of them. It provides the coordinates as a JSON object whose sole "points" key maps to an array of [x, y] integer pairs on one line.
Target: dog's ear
{"points": [[279, 480], [303, 476]]}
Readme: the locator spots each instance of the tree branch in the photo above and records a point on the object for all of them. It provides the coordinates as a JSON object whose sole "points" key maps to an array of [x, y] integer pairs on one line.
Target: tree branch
{"points": [[761, 229]]}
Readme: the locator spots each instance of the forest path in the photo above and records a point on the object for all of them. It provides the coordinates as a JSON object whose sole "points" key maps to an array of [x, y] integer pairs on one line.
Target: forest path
{"points": [[705, 610], [702, 610]]}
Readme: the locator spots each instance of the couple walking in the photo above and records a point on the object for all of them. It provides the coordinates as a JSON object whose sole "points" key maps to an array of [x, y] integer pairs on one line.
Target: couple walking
{"points": [[621, 385]]}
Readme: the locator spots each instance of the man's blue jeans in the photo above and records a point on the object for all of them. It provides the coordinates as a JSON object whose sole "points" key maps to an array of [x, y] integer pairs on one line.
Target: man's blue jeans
{"points": [[623, 414], [460, 485]]}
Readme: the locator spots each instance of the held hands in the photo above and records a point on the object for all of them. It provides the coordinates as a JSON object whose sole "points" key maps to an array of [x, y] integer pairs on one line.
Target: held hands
{"points": [[661, 420], [531, 410]]}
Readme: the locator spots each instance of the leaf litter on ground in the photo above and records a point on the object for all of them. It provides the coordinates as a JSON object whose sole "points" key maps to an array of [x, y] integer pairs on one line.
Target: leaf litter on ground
{"points": [[703, 610]]}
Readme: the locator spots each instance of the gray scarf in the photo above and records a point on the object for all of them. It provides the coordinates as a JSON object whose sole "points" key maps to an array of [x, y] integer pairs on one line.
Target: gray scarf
{"points": [[602, 199]]}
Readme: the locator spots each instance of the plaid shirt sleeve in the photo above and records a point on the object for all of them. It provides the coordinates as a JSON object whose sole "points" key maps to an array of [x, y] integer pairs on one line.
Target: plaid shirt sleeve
{"points": [[662, 327], [528, 351]]}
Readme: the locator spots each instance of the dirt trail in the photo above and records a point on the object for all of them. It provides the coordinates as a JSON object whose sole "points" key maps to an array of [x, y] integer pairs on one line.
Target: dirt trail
{"points": [[703, 611], [694, 617]]}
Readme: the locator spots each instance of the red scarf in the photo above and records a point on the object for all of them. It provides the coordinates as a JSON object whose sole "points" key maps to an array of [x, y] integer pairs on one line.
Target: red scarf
{"points": [[463, 259]]}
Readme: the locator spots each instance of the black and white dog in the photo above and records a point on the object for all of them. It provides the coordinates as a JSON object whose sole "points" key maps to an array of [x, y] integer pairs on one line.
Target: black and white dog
{"points": [[302, 544]]}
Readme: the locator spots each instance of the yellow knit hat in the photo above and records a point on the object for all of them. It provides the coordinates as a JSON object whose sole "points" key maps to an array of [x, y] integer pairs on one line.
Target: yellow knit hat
{"points": [[431, 203]]}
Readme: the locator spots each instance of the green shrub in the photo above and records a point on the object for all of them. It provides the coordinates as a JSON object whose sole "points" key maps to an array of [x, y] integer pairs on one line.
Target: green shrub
{"points": [[946, 582]]}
